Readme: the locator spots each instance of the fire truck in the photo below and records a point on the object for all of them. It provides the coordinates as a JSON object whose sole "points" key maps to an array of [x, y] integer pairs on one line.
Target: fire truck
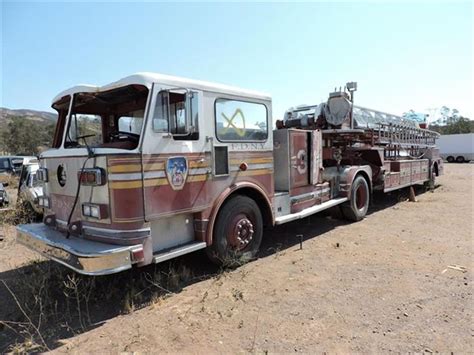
{"points": [[152, 167]]}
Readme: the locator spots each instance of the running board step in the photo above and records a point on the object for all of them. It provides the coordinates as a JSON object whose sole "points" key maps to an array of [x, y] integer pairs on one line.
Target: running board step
{"points": [[310, 210], [178, 251]]}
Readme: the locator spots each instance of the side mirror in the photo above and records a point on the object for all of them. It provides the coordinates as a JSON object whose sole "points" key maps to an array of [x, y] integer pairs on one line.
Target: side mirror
{"points": [[167, 121], [189, 112]]}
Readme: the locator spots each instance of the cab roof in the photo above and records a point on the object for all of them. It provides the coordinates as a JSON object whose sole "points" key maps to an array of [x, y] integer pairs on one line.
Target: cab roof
{"points": [[147, 79]]}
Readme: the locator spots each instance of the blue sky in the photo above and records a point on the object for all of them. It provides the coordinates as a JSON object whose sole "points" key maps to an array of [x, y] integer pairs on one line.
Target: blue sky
{"points": [[403, 55]]}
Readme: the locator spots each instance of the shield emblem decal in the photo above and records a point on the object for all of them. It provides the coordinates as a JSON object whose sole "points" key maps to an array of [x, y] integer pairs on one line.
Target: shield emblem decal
{"points": [[177, 172]]}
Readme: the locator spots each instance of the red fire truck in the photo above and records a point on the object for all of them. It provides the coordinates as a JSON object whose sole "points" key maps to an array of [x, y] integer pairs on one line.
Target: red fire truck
{"points": [[152, 167]]}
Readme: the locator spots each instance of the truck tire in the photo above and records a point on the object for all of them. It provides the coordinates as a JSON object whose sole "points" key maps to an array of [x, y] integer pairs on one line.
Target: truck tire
{"points": [[356, 208], [450, 159], [460, 159], [237, 232]]}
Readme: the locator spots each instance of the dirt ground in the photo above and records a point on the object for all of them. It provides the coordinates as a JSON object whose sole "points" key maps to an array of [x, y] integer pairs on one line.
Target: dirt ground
{"points": [[381, 285]]}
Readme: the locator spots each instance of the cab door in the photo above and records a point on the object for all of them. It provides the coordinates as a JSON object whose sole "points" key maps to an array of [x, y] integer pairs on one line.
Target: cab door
{"points": [[174, 161], [299, 174]]}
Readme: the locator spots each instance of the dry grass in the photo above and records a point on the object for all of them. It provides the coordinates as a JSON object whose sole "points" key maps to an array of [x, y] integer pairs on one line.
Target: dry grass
{"points": [[11, 180], [22, 213], [53, 302], [48, 301]]}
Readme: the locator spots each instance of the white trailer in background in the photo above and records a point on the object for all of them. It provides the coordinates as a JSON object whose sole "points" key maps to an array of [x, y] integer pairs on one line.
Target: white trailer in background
{"points": [[456, 147]]}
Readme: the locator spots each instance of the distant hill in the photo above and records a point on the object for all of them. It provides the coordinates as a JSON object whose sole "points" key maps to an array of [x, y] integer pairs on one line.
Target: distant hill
{"points": [[6, 115]]}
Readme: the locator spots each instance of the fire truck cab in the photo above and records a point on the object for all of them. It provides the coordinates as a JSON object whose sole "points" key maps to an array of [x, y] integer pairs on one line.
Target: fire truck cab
{"points": [[152, 167]]}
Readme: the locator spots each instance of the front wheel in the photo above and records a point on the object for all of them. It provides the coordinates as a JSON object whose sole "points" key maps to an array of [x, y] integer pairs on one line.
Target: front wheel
{"points": [[237, 233], [356, 208], [450, 159]]}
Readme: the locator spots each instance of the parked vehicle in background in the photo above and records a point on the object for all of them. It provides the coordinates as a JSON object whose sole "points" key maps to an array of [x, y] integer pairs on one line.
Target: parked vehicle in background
{"points": [[29, 190], [457, 148], [11, 164], [30, 159], [4, 200]]}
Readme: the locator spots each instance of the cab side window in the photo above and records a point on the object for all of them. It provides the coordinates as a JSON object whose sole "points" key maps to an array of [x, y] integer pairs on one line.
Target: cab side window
{"points": [[171, 112], [238, 121]]}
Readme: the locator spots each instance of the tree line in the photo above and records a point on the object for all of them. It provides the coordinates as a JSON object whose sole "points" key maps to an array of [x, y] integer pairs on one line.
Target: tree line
{"points": [[455, 126], [23, 136], [449, 121]]}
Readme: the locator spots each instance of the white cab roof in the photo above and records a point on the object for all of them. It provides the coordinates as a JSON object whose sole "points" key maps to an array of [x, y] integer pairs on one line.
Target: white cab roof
{"points": [[147, 79]]}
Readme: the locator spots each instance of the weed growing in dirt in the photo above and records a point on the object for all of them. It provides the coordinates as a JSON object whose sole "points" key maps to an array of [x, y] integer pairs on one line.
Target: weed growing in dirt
{"points": [[22, 213], [11, 180]]}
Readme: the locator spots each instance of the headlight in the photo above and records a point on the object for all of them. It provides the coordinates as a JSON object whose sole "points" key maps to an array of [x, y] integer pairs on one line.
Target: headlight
{"points": [[44, 202], [91, 177], [86, 210], [42, 174], [95, 211], [92, 210]]}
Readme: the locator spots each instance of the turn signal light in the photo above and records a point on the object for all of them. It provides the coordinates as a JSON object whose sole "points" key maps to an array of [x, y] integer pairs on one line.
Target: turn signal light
{"points": [[44, 202], [91, 177], [94, 210], [42, 174], [138, 255]]}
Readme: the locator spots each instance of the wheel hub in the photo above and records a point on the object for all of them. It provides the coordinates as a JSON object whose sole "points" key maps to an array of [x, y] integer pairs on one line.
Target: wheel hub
{"points": [[361, 197], [241, 233]]}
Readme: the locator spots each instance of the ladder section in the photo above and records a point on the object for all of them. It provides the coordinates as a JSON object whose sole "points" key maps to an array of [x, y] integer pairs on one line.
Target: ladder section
{"points": [[401, 135]]}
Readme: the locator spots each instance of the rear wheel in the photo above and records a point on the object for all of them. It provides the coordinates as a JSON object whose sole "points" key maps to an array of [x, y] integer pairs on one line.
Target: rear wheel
{"points": [[450, 159], [460, 159], [237, 233], [356, 208], [430, 184]]}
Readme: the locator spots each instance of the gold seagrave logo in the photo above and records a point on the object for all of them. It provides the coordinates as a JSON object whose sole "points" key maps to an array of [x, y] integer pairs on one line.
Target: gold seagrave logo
{"points": [[61, 174]]}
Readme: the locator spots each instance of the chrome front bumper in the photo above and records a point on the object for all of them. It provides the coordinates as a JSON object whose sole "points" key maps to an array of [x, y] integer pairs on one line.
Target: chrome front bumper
{"points": [[83, 256]]}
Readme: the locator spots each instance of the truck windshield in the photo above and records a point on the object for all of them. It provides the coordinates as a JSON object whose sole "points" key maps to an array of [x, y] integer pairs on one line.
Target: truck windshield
{"points": [[109, 119]]}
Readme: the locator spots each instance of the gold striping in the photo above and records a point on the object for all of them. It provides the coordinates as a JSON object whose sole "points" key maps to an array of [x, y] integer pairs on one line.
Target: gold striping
{"points": [[134, 184], [156, 182], [117, 185], [125, 168], [254, 172], [194, 178], [252, 161], [197, 164], [136, 168], [154, 166]]}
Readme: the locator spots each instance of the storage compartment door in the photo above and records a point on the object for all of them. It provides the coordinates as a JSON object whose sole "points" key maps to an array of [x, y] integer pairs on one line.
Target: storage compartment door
{"points": [[299, 173], [316, 156]]}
